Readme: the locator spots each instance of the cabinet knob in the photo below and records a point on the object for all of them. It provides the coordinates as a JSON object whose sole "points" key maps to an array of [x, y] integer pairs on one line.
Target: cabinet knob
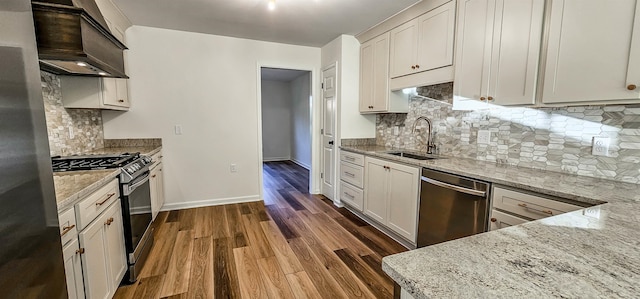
{"points": [[370, 107], [631, 87], [109, 221], [482, 99], [121, 100], [494, 219], [153, 176], [413, 67], [417, 66], [80, 251], [490, 99]]}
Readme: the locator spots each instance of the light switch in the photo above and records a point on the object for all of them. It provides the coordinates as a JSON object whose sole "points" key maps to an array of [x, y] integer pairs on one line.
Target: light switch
{"points": [[484, 137], [178, 129], [601, 146]]}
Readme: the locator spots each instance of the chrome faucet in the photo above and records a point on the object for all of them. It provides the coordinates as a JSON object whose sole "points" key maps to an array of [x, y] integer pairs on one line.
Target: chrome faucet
{"points": [[431, 147]]}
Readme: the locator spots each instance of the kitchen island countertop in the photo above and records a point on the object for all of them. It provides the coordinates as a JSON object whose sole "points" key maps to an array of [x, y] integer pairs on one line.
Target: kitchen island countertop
{"points": [[588, 253]]}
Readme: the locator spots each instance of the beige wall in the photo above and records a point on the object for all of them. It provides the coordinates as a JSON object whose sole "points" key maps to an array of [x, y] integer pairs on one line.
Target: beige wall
{"points": [[209, 85]]}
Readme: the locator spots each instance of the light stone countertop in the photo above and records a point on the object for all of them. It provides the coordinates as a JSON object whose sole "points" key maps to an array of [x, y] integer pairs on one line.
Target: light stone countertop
{"points": [[73, 186], [590, 253]]}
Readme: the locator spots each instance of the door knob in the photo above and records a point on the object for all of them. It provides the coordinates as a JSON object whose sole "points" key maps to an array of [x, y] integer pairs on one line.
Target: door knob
{"points": [[331, 142]]}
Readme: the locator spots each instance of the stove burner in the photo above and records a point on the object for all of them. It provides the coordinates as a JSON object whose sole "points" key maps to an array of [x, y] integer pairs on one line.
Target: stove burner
{"points": [[92, 162]]}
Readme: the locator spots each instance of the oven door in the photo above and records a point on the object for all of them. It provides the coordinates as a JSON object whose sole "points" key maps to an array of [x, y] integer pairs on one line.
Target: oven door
{"points": [[137, 198]]}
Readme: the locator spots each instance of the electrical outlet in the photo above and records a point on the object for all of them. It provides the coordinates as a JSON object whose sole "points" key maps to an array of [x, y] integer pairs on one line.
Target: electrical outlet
{"points": [[233, 168], [178, 129], [71, 133], [484, 137], [601, 146]]}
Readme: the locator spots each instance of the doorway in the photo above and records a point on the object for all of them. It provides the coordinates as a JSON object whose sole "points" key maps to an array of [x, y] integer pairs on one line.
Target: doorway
{"points": [[286, 113]]}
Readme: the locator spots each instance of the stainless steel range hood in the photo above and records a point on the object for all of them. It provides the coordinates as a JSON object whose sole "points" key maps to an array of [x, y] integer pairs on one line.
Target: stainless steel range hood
{"points": [[74, 39]]}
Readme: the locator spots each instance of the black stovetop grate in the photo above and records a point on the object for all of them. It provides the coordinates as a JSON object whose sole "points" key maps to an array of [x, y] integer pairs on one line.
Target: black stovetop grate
{"points": [[92, 162]]}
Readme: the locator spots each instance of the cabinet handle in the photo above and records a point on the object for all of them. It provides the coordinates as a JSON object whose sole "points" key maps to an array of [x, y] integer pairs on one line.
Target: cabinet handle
{"points": [[80, 251], [349, 195], [349, 174], [482, 99], [494, 219], [66, 230], [160, 157], [109, 221], [535, 210], [631, 87], [121, 101], [108, 197], [349, 158], [153, 176]]}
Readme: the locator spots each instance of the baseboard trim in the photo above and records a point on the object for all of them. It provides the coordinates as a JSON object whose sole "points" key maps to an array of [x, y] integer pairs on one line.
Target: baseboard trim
{"points": [[276, 159], [209, 202], [303, 165]]}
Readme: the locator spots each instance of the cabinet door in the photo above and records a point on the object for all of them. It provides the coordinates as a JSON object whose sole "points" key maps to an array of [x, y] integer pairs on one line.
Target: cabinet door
{"points": [[516, 52], [153, 184], [473, 52], [116, 251], [435, 39], [109, 92], [367, 56], [404, 46], [122, 92], [592, 51], [73, 270], [376, 190], [501, 220], [374, 75], [403, 200], [160, 190], [95, 266]]}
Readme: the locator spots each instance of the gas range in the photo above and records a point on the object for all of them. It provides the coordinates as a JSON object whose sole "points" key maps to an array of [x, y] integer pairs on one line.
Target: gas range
{"points": [[131, 164]]}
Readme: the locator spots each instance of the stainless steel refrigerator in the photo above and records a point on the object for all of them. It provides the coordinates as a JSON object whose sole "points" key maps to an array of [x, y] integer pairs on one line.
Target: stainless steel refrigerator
{"points": [[31, 264]]}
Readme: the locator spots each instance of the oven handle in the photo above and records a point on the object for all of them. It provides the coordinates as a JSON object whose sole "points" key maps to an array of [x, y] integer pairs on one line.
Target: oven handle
{"points": [[131, 188], [454, 187]]}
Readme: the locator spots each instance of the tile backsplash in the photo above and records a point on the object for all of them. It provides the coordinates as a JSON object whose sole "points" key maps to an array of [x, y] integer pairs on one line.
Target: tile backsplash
{"points": [[86, 124], [556, 139]]}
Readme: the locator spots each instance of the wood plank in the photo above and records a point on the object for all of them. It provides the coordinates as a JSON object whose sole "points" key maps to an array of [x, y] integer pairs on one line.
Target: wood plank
{"points": [[249, 278], [236, 227], [178, 296], [378, 236], [306, 202], [201, 277], [317, 272], [279, 219], [219, 225], [302, 286], [126, 291], [375, 263], [291, 200], [203, 224], [177, 277], [274, 279], [160, 256], [257, 240], [352, 217], [374, 245], [187, 219], [225, 278], [244, 209], [149, 287], [377, 285], [283, 253], [326, 237], [346, 239], [173, 216]]}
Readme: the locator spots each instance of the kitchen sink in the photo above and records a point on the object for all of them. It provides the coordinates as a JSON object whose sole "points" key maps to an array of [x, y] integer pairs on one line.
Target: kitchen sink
{"points": [[412, 156]]}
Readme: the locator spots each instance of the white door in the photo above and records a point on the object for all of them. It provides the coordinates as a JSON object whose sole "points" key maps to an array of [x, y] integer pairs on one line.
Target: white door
{"points": [[592, 51], [328, 132], [376, 189]]}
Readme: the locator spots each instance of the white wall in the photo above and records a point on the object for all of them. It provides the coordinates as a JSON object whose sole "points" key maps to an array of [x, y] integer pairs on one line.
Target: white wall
{"points": [[346, 51], [301, 120], [276, 120], [209, 85]]}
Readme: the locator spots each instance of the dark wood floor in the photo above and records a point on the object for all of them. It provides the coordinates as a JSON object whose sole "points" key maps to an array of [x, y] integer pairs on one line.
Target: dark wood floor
{"points": [[294, 245]]}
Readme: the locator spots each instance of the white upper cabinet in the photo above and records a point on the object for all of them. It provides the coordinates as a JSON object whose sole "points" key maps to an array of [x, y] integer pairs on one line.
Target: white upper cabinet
{"points": [[593, 51], [424, 43], [498, 51], [374, 78], [95, 93]]}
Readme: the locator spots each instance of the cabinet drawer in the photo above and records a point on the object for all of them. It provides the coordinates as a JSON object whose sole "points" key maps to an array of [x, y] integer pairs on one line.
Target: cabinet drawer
{"points": [[351, 195], [352, 174], [529, 205], [157, 159], [501, 220], [89, 208], [356, 159], [68, 229]]}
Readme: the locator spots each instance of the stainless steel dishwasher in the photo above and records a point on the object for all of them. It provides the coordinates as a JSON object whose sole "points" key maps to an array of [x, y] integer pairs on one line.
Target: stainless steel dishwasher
{"points": [[451, 207]]}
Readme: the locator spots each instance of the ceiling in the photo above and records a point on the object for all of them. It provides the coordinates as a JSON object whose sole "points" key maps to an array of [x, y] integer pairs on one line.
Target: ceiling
{"points": [[284, 75], [299, 22]]}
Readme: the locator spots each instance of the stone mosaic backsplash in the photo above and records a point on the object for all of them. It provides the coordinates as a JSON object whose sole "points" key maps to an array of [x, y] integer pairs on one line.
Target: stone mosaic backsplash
{"points": [[556, 139], [86, 124]]}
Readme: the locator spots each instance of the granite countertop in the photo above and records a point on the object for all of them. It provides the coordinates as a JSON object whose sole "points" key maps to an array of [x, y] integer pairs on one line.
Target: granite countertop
{"points": [[587, 253], [72, 186]]}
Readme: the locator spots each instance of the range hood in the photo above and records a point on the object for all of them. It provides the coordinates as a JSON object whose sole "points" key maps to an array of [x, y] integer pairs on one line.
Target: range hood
{"points": [[74, 39]]}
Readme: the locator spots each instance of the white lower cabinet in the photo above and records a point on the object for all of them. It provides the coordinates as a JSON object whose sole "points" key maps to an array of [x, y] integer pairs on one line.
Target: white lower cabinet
{"points": [[103, 257], [156, 181], [391, 196], [501, 220], [73, 269]]}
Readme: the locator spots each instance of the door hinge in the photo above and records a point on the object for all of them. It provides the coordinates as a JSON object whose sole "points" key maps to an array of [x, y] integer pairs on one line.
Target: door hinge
{"points": [[322, 86], [321, 131], [322, 175]]}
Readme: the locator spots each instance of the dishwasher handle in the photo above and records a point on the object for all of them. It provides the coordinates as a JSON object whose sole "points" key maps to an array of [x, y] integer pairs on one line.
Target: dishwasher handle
{"points": [[454, 187]]}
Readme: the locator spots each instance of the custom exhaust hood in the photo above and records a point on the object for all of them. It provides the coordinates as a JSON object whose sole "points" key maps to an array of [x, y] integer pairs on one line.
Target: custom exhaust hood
{"points": [[74, 39]]}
